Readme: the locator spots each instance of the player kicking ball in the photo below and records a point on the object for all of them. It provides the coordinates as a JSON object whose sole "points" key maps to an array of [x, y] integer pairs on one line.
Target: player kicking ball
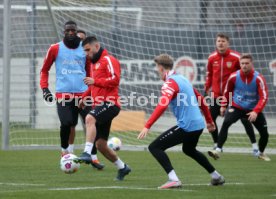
{"points": [[179, 93], [104, 90]]}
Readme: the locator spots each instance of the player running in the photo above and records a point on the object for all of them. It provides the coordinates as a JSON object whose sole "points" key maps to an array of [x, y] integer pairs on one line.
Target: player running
{"points": [[179, 93]]}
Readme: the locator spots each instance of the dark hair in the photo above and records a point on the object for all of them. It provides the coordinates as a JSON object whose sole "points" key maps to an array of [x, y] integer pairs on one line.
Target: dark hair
{"points": [[165, 60], [70, 23], [89, 40], [81, 31], [246, 56], [223, 35]]}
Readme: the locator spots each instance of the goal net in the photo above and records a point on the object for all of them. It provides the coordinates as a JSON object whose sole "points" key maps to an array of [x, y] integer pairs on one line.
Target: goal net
{"points": [[134, 32]]}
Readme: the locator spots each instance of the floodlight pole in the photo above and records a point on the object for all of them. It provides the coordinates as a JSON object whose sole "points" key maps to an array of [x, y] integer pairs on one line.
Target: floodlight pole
{"points": [[6, 74]]}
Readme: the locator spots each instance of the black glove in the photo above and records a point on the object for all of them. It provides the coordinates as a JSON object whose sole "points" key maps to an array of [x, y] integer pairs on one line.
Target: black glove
{"points": [[47, 95]]}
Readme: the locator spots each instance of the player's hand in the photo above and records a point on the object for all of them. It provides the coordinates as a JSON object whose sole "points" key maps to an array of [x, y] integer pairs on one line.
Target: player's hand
{"points": [[252, 116], [47, 95], [81, 104], [88, 80], [143, 133], [222, 111], [211, 127]]}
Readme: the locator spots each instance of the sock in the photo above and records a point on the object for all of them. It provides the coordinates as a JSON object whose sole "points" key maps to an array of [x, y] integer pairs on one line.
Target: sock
{"points": [[64, 150], [172, 176], [255, 146], [215, 175], [218, 149], [119, 164], [71, 148], [88, 147], [94, 157], [215, 145]]}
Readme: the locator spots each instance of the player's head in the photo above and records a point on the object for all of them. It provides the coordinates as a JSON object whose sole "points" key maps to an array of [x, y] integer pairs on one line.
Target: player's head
{"points": [[246, 62], [70, 30], [81, 34], [164, 63], [91, 46], [222, 42]]}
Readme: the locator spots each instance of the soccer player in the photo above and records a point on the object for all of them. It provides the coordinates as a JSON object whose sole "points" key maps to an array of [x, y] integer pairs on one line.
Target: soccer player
{"points": [[81, 34], [221, 64], [72, 67], [179, 93], [104, 88], [83, 112], [249, 91]]}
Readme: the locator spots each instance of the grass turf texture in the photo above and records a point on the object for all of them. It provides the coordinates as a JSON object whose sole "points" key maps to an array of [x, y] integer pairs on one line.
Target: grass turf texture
{"points": [[36, 174]]}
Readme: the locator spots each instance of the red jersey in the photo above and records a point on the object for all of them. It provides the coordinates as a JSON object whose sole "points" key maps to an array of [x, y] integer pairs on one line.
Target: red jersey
{"points": [[169, 92], [106, 74], [219, 68], [261, 87], [47, 64]]}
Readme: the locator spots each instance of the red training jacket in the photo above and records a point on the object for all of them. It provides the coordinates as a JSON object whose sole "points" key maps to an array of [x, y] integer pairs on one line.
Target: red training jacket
{"points": [[219, 68], [168, 94], [261, 86], [106, 74]]}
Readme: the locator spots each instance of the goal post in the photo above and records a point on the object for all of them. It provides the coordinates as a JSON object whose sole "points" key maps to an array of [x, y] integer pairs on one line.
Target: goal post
{"points": [[134, 32], [6, 78]]}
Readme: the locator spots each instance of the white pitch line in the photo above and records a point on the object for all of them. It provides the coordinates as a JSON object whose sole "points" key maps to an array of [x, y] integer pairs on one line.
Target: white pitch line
{"points": [[21, 184], [136, 188], [113, 187]]}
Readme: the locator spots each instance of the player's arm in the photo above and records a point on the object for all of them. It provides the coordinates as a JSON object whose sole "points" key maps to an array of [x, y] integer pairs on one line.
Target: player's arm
{"points": [[169, 91], [205, 110], [114, 71], [209, 75], [44, 73], [228, 93], [263, 94], [48, 62], [88, 67]]}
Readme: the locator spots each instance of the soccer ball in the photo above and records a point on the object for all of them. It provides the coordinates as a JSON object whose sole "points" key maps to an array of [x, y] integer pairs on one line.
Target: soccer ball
{"points": [[114, 143], [67, 165]]}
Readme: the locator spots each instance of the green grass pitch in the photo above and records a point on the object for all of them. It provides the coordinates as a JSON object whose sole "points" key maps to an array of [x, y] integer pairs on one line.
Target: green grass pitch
{"points": [[36, 174]]}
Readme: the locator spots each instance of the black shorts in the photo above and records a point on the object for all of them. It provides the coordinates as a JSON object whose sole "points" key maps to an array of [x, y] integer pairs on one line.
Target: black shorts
{"points": [[104, 115], [68, 112], [175, 136], [83, 112]]}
